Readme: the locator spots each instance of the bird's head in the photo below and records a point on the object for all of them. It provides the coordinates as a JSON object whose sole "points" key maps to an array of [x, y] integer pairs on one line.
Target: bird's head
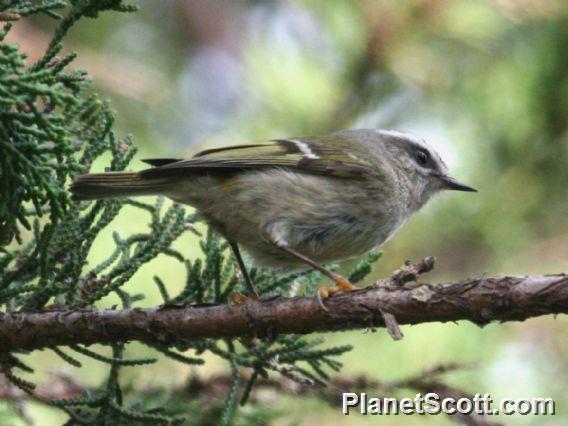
{"points": [[417, 169]]}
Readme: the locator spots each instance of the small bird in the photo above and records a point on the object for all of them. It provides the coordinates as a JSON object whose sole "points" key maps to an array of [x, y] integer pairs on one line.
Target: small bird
{"points": [[299, 202]]}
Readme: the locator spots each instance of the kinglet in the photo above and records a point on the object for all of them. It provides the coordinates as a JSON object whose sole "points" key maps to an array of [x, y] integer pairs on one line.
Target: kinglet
{"points": [[295, 202]]}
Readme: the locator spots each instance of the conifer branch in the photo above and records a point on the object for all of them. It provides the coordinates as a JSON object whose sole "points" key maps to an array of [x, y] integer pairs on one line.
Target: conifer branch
{"points": [[204, 392], [480, 300]]}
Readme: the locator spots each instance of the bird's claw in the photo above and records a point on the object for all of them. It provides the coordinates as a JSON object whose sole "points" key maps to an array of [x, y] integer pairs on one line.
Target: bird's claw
{"points": [[342, 284], [238, 298]]}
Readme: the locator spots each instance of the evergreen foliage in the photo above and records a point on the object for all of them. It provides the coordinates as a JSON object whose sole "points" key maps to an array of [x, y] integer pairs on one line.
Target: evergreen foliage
{"points": [[51, 129]]}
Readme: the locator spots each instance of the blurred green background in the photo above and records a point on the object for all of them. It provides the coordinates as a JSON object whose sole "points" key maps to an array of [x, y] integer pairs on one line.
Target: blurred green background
{"points": [[485, 81]]}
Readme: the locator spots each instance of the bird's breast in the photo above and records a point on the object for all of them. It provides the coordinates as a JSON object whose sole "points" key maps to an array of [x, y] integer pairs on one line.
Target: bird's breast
{"points": [[323, 218]]}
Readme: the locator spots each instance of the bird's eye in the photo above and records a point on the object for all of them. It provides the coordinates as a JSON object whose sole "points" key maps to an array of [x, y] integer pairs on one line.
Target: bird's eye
{"points": [[421, 157]]}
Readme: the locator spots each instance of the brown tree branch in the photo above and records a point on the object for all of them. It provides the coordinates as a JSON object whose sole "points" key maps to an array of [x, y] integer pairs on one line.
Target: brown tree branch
{"points": [[208, 390], [479, 300], [61, 385]]}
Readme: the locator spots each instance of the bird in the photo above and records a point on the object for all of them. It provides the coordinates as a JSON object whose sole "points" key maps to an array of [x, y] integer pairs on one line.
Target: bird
{"points": [[298, 202]]}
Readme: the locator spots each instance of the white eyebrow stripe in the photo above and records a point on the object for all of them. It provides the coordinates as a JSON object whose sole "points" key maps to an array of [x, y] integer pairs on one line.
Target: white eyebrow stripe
{"points": [[305, 148], [397, 134], [419, 142], [403, 135], [410, 137]]}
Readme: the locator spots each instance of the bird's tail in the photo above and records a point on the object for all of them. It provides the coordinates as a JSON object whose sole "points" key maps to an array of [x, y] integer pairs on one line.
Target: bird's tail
{"points": [[97, 186]]}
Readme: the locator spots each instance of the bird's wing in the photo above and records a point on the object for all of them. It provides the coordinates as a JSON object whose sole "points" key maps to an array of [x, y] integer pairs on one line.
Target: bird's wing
{"points": [[303, 154]]}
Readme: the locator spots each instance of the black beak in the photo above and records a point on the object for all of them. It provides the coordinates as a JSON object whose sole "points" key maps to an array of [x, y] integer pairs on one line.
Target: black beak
{"points": [[452, 184]]}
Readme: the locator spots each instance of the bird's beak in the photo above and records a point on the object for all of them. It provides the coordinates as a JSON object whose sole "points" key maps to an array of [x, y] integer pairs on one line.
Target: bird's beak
{"points": [[452, 184]]}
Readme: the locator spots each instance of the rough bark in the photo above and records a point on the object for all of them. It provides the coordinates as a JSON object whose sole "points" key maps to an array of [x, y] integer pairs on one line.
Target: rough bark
{"points": [[386, 303]]}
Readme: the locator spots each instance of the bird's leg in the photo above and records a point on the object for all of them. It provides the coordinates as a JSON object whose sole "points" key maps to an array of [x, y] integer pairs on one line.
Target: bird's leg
{"points": [[341, 283], [252, 292]]}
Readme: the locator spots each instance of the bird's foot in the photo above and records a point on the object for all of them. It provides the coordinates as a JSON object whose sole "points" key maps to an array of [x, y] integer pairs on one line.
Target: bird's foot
{"points": [[342, 284], [238, 298]]}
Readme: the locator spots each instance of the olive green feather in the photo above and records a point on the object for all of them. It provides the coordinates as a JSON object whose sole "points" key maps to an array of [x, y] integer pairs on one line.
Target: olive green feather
{"points": [[308, 155], [302, 154]]}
